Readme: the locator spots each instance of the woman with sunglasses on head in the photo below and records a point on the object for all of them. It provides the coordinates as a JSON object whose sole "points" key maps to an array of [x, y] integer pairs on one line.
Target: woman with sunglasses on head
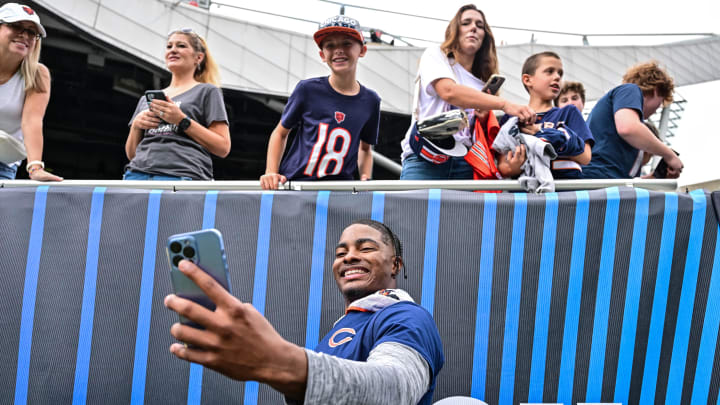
{"points": [[451, 76], [173, 139], [24, 92]]}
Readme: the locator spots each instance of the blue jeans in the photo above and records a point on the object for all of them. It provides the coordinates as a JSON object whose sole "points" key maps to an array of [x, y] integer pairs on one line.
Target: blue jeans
{"points": [[135, 175], [456, 168], [8, 172]]}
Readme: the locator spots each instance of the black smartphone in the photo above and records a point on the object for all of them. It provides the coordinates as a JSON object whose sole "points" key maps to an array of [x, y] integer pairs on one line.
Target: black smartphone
{"points": [[206, 249], [661, 168], [151, 95], [493, 84]]}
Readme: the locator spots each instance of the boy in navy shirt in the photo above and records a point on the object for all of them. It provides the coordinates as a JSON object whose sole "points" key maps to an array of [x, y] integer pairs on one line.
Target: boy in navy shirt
{"points": [[564, 127], [337, 118], [617, 123]]}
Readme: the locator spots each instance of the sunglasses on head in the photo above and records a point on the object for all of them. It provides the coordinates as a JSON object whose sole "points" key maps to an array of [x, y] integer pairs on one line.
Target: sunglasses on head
{"points": [[183, 31], [20, 29]]}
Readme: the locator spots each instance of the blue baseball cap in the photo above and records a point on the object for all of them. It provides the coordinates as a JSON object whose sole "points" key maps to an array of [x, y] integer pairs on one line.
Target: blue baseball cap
{"points": [[341, 24]]}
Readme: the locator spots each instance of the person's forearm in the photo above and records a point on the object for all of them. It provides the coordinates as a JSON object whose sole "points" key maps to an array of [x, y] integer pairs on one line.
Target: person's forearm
{"points": [[276, 148], [365, 163], [639, 137], [466, 97], [32, 137], [134, 137], [215, 139], [393, 374]]}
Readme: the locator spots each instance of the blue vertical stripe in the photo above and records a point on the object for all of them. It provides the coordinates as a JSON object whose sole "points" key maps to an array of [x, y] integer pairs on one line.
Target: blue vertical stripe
{"points": [[87, 313], [196, 370], [432, 231], [572, 309], [27, 315], [662, 284], [512, 308], [544, 296], [261, 270], [687, 299], [632, 298], [708, 340], [317, 268], [602, 297], [378, 206], [484, 291], [137, 395]]}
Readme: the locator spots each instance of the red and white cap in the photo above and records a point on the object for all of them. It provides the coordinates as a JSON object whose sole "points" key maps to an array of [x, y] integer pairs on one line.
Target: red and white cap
{"points": [[14, 12]]}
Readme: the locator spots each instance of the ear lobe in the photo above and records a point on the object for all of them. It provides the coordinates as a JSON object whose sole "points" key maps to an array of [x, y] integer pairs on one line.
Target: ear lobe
{"points": [[526, 79], [363, 51]]}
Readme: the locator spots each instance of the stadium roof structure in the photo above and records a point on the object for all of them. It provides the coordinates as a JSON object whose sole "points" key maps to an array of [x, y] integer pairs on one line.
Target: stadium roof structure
{"points": [[267, 60]]}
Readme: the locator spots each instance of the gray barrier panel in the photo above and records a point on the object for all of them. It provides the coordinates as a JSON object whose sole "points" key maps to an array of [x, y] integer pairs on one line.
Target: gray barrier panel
{"points": [[606, 295]]}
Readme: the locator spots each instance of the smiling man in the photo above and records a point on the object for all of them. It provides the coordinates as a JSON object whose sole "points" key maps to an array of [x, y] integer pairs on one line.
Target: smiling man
{"points": [[385, 349]]}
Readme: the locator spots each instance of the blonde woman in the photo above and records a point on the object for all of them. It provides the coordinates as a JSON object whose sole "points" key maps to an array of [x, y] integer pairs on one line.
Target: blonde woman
{"points": [[173, 139], [24, 91]]}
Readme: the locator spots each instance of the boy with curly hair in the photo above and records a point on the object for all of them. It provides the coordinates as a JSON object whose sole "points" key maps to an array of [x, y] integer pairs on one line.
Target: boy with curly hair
{"points": [[571, 93], [616, 122]]}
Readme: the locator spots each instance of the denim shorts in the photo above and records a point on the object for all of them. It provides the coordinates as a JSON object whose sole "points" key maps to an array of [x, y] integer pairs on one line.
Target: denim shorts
{"points": [[8, 172], [135, 175], [456, 168]]}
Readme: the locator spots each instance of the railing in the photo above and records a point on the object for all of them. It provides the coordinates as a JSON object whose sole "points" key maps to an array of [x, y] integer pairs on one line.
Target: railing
{"points": [[372, 185]]}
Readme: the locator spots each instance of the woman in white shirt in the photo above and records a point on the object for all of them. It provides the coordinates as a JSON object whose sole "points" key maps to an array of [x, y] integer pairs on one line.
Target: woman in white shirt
{"points": [[24, 88], [451, 76]]}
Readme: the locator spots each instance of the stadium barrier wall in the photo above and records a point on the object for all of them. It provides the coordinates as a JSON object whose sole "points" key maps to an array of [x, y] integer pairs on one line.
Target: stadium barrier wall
{"points": [[608, 295]]}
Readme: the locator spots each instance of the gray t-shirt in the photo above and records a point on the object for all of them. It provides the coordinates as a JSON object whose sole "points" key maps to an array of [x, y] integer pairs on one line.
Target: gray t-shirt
{"points": [[167, 149]]}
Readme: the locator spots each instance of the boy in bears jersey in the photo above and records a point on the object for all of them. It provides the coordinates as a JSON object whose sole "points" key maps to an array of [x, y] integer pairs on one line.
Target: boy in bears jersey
{"points": [[563, 127], [337, 118]]}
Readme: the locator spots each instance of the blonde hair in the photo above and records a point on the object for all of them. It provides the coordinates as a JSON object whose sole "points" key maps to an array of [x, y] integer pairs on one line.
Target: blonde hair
{"points": [[485, 63], [649, 76], [207, 70], [29, 71]]}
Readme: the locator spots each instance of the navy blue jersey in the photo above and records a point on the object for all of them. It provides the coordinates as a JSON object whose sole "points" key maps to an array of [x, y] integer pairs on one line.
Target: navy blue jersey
{"points": [[358, 332], [613, 158], [567, 131], [329, 127]]}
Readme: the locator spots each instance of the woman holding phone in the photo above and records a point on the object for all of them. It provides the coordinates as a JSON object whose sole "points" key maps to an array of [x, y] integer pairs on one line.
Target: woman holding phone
{"points": [[173, 133], [24, 92], [451, 76]]}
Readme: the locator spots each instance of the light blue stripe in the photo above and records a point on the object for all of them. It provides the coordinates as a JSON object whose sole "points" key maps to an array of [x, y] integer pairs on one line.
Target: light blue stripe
{"points": [[378, 206], [196, 370], [662, 284], [484, 298], [261, 270], [87, 313], [572, 309], [544, 297], [708, 340], [27, 315], [602, 297], [432, 230], [632, 298], [687, 299], [512, 308], [137, 395], [317, 268]]}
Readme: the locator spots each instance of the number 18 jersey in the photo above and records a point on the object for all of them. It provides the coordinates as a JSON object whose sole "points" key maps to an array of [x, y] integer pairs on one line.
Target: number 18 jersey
{"points": [[329, 127]]}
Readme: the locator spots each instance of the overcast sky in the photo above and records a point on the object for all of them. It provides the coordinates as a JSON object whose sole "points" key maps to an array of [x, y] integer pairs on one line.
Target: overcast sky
{"points": [[696, 141]]}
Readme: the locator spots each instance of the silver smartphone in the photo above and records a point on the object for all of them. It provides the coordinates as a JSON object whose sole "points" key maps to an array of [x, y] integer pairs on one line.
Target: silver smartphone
{"points": [[206, 249]]}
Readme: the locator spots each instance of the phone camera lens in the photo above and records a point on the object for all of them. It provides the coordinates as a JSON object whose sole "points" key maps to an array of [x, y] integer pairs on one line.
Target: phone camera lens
{"points": [[189, 252], [175, 247], [176, 260]]}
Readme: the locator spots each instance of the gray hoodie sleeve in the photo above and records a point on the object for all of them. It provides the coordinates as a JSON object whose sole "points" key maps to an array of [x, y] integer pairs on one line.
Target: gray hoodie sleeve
{"points": [[393, 374]]}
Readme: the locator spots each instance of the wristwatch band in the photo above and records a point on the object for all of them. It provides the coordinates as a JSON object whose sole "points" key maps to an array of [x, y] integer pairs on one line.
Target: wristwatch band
{"points": [[184, 123]]}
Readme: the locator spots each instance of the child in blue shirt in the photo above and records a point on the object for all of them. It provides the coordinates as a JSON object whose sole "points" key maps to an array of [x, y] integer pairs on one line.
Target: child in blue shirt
{"points": [[563, 127], [337, 118], [617, 123]]}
